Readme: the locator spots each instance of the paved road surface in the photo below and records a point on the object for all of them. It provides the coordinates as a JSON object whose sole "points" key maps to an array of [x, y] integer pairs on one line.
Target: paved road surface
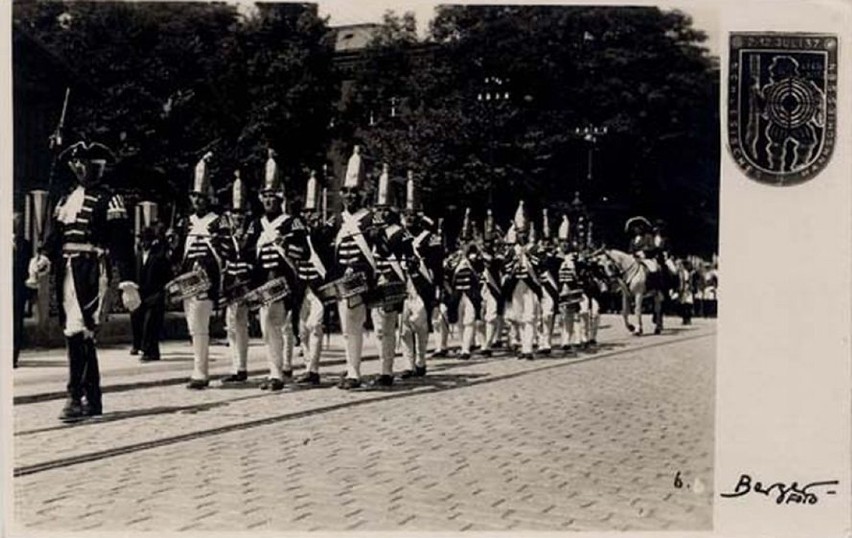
{"points": [[586, 443]]}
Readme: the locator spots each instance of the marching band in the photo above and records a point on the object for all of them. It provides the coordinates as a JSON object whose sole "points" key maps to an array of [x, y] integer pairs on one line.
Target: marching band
{"points": [[387, 258]]}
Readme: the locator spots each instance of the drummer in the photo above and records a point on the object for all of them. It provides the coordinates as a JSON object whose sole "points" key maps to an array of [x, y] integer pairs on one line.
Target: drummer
{"points": [[313, 273], [354, 264], [202, 252], [389, 250], [275, 243]]}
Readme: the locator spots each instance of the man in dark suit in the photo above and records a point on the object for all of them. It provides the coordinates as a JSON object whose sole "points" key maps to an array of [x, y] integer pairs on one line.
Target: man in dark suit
{"points": [[153, 272]]}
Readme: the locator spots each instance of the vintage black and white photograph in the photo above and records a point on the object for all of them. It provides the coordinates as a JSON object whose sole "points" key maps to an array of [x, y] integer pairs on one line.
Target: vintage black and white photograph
{"points": [[382, 266]]}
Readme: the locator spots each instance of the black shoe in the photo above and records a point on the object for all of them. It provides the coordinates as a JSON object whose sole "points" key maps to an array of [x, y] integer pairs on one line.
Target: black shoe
{"points": [[197, 384], [73, 410], [497, 345], [348, 383], [272, 384], [593, 342], [440, 353], [464, 357], [420, 371], [383, 380], [148, 358], [134, 351], [407, 374], [92, 410], [308, 378], [527, 356], [287, 374], [566, 347], [545, 351], [239, 377], [485, 352]]}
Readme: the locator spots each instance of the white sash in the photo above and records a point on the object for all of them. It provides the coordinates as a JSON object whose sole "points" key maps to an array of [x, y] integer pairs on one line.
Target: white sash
{"points": [[315, 260], [349, 227]]}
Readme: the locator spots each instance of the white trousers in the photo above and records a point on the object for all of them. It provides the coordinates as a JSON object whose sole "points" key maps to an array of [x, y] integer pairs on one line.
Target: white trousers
{"points": [[467, 322], [384, 324], [198, 312], [415, 329], [276, 325], [546, 319], [490, 318], [525, 305], [236, 323], [442, 327], [352, 324], [310, 329], [74, 322]]}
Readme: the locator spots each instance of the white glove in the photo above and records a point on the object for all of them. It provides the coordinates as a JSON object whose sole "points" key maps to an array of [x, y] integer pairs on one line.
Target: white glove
{"points": [[39, 266], [130, 295]]}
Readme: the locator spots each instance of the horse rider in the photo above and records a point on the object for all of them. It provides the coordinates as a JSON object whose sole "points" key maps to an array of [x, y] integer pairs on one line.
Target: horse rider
{"points": [[548, 270], [465, 302], [355, 266], [205, 236], [523, 285], [235, 282], [390, 250], [313, 272], [417, 309], [493, 302], [89, 231], [274, 245]]}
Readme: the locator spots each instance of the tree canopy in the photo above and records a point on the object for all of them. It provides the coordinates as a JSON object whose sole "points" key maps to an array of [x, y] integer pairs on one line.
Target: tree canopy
{"points": [[486, 112]]}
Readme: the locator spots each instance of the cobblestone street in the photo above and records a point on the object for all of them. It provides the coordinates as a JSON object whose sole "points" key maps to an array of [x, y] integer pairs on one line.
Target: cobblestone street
{"points": [[591, 442]]}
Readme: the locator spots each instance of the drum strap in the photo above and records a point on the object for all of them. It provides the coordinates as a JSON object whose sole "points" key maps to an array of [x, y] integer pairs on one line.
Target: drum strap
{"points": [[315, 259], [349, 227]]}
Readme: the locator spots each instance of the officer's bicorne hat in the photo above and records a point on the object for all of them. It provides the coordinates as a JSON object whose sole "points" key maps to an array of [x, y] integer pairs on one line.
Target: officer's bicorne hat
{"points": [[312, 193], [95, 153], [272, 183]]}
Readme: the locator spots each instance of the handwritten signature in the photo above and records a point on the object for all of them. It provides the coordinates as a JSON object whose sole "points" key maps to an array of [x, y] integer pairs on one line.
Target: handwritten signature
{"points": [[784, 494]]}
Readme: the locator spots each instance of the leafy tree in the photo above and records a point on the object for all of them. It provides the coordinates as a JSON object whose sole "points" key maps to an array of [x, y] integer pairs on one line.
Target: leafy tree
{"points": [[640, 72]]}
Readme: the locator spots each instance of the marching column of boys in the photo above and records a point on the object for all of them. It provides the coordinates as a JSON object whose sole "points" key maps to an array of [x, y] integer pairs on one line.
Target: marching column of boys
{"points": [[274, 244]]}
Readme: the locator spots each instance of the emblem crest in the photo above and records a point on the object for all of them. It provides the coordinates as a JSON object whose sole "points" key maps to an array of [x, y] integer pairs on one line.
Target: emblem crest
{"points": [[782, 104]]}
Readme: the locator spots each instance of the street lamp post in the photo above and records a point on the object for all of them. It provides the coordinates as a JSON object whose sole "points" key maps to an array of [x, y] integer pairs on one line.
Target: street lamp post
{"points": [[494, 91], [591, 134]]}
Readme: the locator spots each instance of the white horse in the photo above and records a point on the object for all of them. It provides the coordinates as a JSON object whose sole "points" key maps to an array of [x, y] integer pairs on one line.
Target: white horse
{"points": [[632, 278]]}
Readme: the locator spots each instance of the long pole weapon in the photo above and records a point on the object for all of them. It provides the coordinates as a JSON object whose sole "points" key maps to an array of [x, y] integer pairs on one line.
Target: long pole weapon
{"points": [[55, 144]]}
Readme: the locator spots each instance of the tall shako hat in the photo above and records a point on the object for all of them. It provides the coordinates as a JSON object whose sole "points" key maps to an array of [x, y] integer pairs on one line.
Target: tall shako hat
{"points": [[383, 194], [533, 236], [312, 192], [354, 177], [201, 185], [466, 229], [272, 178], [238, 193], [412, 196], [545, 225], [521, 223], [564, 229], [488, 226]]}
